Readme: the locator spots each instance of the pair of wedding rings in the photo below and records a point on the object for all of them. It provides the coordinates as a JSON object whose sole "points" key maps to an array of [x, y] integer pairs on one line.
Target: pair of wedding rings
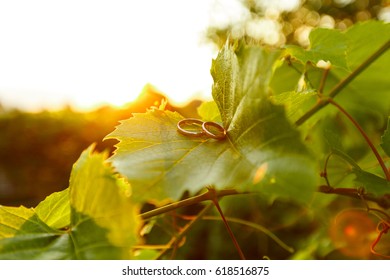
{"points": [[197, 128]]}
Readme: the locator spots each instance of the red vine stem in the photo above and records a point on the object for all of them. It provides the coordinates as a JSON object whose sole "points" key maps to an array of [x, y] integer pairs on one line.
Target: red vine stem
{"points": [[177, 238], [382, 228], [374, 150], [214, 199]]}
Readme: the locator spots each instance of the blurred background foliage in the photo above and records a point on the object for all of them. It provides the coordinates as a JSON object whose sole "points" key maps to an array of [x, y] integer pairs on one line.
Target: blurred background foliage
{"points": [[37, 151], [289, 22]]}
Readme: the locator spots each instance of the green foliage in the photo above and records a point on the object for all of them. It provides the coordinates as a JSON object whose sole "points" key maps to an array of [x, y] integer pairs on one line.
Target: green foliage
{"points": [[288, 123], [367, 95], [326, 45], [93, 219], [369, 91]]}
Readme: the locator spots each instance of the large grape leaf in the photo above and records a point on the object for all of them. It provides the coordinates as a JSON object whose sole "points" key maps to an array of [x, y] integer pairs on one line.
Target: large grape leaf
{"points": [[325, 44], [93, 219], [262, 151], [55, 209], [97, 193], [369, 92]]}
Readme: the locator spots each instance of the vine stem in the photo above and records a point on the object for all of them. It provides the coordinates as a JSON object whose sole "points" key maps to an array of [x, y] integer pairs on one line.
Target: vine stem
{"points": [[343, 83], [323, 80], [356, 124], [385, 228], [214, 199], [354, 193], [176, 239], [211, 195], [187, 202]]}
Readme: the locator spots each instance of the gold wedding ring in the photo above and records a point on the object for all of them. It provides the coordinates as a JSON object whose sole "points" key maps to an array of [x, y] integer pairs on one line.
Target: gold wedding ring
{"points": [[218, 132], [197, 128], [192, 123]]}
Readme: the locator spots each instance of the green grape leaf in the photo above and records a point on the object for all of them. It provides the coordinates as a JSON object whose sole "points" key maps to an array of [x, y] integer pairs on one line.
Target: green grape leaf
{"points": [[325, 44], [12, 219], [294, 102], [160, 163], [262, 151], [208, 111], [259, 130], [386, 139], [372, 183], [93, 219], [24, 236], [96, 193], [364, 38], [369, 92], [55, 209]]}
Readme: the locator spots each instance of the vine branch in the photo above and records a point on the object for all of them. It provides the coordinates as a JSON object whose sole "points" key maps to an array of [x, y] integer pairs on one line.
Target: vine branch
{"points": [[355, 193], [372, 147]]}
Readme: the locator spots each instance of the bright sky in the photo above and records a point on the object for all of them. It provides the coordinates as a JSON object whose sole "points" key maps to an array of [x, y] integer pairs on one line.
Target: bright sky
{"points": [[86, 53]]}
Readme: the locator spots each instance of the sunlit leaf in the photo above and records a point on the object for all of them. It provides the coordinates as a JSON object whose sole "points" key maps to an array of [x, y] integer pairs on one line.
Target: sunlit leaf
{"points": [[55, 209], [12, 218], [208, 111], [160, 163], [97, 220], [25, 236], [95, 194]]}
